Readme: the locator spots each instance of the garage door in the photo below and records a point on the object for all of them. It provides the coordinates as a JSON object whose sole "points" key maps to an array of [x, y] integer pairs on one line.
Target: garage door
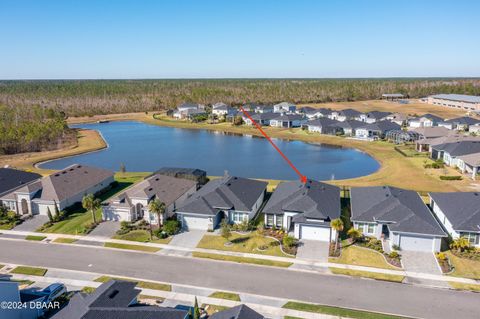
{"points": [[416, 243], [195, 222], [314, 233]]}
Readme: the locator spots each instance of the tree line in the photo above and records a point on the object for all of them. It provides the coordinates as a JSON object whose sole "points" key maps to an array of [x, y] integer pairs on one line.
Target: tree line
{"points": [[92, 97], [32, 129]]}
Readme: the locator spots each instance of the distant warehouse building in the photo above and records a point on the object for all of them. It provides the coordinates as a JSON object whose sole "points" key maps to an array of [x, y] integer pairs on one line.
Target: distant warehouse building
{"points": [[459, 101]]}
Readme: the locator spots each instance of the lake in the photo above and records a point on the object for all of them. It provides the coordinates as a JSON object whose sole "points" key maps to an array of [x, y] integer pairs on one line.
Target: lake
{"points": [[144, 148]]}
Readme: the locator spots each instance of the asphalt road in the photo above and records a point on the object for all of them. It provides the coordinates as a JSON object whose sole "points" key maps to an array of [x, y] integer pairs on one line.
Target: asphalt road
{"points": [[310, 287]]}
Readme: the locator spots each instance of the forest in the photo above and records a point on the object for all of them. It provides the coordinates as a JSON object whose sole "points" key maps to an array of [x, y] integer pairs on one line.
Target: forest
{"points": [[32, 129], [91, 97]]}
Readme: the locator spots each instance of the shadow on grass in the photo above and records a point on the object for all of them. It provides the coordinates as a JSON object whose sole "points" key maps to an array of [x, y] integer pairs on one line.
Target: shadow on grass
{"points": [[240, 240]]}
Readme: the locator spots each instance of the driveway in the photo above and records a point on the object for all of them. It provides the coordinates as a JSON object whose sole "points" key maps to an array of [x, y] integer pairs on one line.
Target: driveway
{"points": [[32, 224], [421, 262], [188, 238], [313, 250], [105, 229]]}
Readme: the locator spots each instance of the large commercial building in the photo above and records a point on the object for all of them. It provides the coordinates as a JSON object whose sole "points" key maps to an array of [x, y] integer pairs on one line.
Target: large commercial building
{"points": [[459, 101]]}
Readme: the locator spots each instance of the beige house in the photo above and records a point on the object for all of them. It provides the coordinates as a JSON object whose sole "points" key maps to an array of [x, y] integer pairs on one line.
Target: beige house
{"points": [[62, 189], [132, 204]]}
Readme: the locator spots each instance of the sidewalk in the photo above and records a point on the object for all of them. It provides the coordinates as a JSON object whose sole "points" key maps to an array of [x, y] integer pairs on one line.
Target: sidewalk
{"points": [[298, 264], [179, 295]]}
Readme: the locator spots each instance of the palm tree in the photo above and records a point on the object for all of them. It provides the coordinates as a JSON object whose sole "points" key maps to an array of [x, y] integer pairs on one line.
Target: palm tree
{"points": [[157, 207], [337, 225], [91, 204]]}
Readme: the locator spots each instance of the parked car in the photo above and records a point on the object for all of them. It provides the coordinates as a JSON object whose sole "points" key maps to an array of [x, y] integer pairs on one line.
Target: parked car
{"points": [[53, 291]]}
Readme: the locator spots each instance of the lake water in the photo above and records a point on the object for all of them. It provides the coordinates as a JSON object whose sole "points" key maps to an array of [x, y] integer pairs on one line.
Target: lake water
{"points": [[144, 148]]}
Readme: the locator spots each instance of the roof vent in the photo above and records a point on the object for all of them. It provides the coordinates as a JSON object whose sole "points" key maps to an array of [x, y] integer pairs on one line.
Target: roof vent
{"points": [[157, 179], [150, 189], [476, 194], [113, 294], [57, 174], [229, 184], [64, 172], [79, 166], [71, 169]]}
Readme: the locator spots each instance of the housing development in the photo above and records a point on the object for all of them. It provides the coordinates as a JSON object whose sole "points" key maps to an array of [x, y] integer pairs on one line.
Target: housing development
{"points": [[240, 159]]}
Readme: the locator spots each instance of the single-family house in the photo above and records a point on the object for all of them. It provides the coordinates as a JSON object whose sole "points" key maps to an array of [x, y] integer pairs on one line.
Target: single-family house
{"points": [[376, 130], [305, 209], [61, 189], [448, 152], [187, 110], [235, 198], [260, 118], [450, 137], [237, 312], [194, 174], [260, 108], [133, 204], [345, 115], [288, 120], [324, 125], [313, 113], [399, 118], [284, 107], [372, 117], [460, 123], [425, 120], [222, 109], [349, 127], [474, 129], [397, 216], [459, 214], [12, 179], [115, 299]]}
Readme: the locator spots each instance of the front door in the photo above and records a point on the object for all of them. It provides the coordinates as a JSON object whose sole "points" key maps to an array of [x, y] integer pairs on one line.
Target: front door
{"points": [[385, 231]]}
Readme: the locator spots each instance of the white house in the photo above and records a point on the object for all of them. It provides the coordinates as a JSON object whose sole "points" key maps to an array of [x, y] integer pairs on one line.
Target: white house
{"points": [[288, 121], [396, 216], [260, 118], [459, 214], [263, 109], [222, 109], [372, 117], [463, 154], [235, 198], [284, 107], [426, 120], [460, 123], [187, 110], [304, 209], [63, 189], [376, 130], [345, 115], [133, 204], [324, 125]]}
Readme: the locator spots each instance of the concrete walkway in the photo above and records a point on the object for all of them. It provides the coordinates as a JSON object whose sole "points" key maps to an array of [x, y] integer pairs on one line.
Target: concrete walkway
{"points": [[299, 263], [420, 262], [32, 224], [188, 238], [313, 250], [105, 229]]}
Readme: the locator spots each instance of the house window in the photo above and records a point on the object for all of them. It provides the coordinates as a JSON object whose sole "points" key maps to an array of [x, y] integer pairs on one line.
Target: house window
{"points": [[239, 217], [371, 228], [360, 226], [270, 220], [279, 222], [473, 238]]}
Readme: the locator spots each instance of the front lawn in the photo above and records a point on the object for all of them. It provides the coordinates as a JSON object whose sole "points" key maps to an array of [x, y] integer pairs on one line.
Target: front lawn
{"points": [[367, 274], [225, 295], [141, 235], [140, 284], [78, 220], [63, 240], [353, 255], [131, 247], [32, 271], [243, 260], [464, 267], [243, 244], [35, 238], [337, 311], [211, 309]]}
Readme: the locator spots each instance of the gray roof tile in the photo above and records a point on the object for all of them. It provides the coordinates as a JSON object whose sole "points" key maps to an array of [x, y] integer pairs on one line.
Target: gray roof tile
{"points": [[461, 208]]}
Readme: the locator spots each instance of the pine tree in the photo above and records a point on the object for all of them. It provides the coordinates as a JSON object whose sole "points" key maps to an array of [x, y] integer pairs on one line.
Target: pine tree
{"points": [[196, 310]]}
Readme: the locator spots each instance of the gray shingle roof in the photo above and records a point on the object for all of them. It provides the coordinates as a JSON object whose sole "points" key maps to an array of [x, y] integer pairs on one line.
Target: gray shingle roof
{"points": [[352, 124], [350, 113], [382, 126], [378, 115], [289, 117], [238, 312], [404, 208], [429, 116], [229, 192], [323, 122], [433, 131], [11, 179], [461, 208], [459, 148], [458, 97], [316, 200], [463, 120]]}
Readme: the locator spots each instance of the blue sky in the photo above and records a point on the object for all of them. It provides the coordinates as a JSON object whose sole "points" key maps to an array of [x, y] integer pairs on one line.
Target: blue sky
{"points": [[247, 38]]}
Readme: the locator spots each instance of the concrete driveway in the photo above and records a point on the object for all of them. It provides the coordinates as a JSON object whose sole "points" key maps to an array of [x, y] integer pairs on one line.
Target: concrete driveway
{"points": [[419, 261], [105, 229], [33, 223], [188, 238], [313, 250]]}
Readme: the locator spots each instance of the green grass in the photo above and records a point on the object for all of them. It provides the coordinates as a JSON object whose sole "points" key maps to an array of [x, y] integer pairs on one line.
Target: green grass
{"points": [[131, 247], [77, 221], [35, 238], [211, 309], [462, 286], [7, 226], [88, 290], [353, 255], [337, 311], [242, 260], [63, 240], [23, 283], [33, 271], [156, 298], [140, 284], [367, 274], [1, 266], [243, 244], [142, 236], [464, 267], [225, 295]]}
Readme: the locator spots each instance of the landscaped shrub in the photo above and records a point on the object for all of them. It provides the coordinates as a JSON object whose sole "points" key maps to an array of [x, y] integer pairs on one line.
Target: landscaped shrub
{"points": [[289, 241], [444, 262], [393, 254], [171, 227], [261, 228], [450, 178], [396, 247], [371, 243]]}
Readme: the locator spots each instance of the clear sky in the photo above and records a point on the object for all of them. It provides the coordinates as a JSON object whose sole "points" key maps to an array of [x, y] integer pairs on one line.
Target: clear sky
{"points": [[238, 38]]}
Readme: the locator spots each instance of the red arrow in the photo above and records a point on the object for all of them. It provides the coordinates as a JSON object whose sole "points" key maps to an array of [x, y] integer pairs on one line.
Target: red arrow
{"points": [[303, 178]]}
